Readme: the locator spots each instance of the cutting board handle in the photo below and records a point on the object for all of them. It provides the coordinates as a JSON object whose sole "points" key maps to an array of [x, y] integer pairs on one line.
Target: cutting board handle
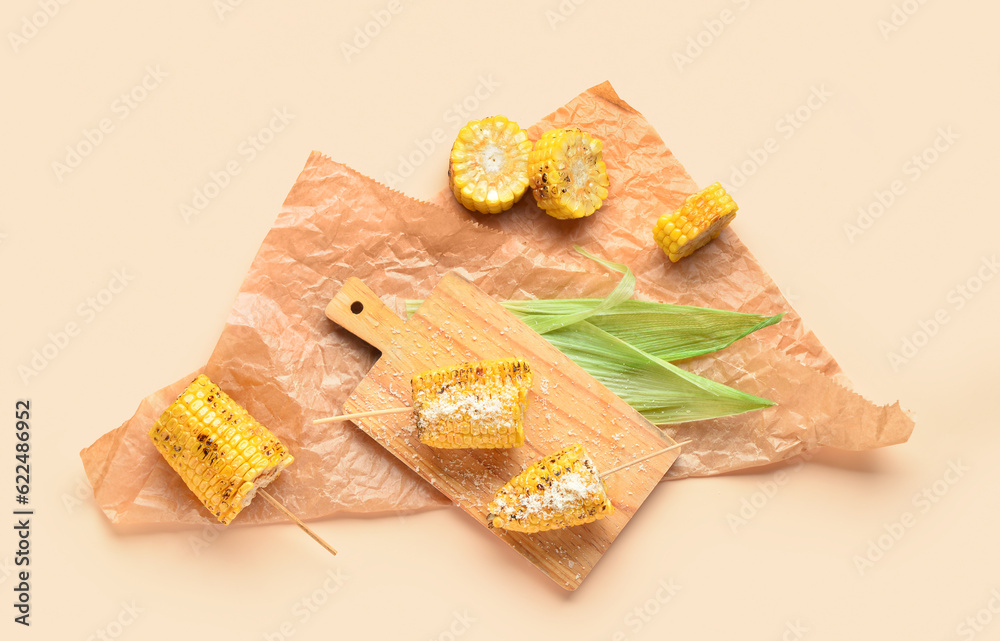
{"points": [[360, 311]]}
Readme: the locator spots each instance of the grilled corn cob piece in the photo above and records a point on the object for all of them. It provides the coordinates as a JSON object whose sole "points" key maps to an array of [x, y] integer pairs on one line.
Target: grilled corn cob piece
{"points": [[223, 455], [489, 165], [701, 218], [560, 490], [568, 176], [473, 405]]}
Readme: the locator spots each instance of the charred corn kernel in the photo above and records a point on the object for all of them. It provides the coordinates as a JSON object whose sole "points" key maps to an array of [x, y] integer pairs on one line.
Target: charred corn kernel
{"points": [[473, 405], [701, 218], [220, 452], [560, 490], [568, 176], [489, 165]]}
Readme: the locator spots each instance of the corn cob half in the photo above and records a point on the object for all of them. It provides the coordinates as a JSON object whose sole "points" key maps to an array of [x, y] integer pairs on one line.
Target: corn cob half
{"points": [[568, 176], [473, 405], [701, 218], [222, 454], [560, 490], [488, 171]]}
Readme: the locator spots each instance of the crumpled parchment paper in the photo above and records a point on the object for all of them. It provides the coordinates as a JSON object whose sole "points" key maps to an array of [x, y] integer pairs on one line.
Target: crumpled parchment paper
{"points": [[287, 363]]}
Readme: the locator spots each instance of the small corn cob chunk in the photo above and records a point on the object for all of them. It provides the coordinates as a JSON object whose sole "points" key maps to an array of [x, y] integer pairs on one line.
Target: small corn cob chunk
{"points": [[489, 165], [701, 218], [568, 176], [473, 405], [560, 490], [222, 454]]}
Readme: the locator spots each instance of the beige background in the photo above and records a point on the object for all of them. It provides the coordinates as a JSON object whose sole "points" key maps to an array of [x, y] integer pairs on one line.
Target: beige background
{"points": [[790, 571]]}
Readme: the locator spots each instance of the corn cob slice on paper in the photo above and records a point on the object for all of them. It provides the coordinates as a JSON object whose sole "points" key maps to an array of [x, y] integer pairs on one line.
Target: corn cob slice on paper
{"points": [[560, 490], [222, 454], [701, 218], [473, 405], [568, 176], [488, 172]]}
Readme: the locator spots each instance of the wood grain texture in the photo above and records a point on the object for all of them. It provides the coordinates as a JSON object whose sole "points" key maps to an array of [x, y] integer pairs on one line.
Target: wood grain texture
{"points": [[459, 323]]}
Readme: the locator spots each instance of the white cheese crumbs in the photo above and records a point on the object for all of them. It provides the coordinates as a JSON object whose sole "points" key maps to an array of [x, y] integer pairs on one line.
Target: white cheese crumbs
{"points": [[565, 495], [486, 412]]}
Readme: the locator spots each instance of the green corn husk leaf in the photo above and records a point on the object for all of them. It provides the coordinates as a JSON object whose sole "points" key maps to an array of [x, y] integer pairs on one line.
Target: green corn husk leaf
{"points": [[621, 293], [669, 332], [659, 390], [628, 345], [666, 331]]}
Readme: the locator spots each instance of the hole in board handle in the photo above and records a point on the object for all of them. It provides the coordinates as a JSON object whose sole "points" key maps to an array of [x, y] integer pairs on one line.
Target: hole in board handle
{"points": [[357, 307]]}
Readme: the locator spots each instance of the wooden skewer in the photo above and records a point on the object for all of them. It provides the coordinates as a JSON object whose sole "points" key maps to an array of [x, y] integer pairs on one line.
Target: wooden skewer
{"points": [[294, 519], [642, 458], [400, 410], [347, 417]]}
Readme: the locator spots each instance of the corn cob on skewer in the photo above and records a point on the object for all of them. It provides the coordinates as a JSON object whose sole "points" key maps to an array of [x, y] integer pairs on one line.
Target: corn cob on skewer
{"points": [[222, 454], [560, 490], [701, 218], [568, 176], [473, 405], [488, 171]]}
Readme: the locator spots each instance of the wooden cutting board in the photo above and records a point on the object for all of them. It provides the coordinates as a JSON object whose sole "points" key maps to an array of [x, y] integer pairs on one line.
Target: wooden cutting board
{"points": [[459, 323]]}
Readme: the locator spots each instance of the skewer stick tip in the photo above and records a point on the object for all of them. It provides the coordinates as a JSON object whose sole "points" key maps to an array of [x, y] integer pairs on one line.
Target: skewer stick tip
{"points": [[642, 458], [297, 521], [348, 417]]}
